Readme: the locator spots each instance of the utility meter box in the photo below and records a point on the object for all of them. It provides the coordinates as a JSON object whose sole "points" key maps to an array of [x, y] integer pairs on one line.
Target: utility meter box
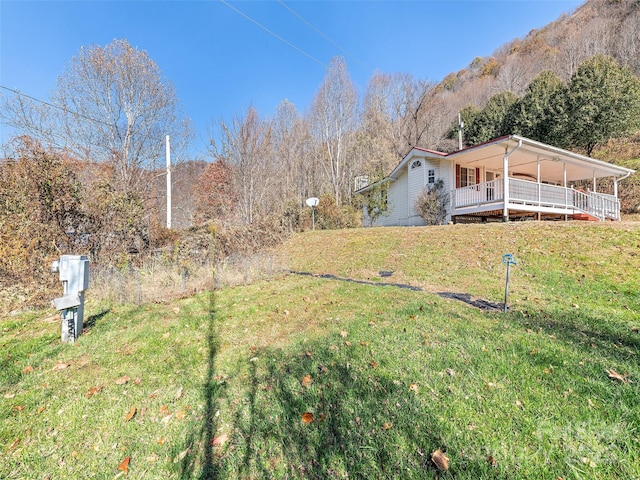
{"points": [[74, 275]]}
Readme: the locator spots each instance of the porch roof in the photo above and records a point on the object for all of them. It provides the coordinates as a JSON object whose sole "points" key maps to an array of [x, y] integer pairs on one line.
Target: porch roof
{"points": [[524, 160]]}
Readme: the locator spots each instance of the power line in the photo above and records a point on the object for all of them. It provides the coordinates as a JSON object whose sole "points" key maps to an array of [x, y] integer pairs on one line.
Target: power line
{"points": [[307, 23], [274, 34], [66, 110]]}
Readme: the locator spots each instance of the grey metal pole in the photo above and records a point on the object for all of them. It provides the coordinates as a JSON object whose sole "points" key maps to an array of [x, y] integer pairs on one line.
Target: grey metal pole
{"points": [[168, 147], [507, 259], [506, 287]]}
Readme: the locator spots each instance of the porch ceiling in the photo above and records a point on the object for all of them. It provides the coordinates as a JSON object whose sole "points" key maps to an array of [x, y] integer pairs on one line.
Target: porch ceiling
{"points": [[524, 161]]}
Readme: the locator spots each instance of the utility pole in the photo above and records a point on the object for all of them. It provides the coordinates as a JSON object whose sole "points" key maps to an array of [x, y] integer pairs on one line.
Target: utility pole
{"points": [[168, 184], [460, 127]]}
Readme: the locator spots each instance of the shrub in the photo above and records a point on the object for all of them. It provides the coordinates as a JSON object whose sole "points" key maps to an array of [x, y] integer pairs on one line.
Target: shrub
{"points": [[432, 203], [330, 216]]}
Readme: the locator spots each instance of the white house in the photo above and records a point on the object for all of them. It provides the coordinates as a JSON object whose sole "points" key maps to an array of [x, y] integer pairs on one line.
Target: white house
{"points": [[507, 178]]}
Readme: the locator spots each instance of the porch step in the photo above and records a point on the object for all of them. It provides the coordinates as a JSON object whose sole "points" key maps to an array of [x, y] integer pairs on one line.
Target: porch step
{"points": [[584, 217]]}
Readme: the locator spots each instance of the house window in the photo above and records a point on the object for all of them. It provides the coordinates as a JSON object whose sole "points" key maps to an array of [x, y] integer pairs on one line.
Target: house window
{"points": [[416, 164], [467, 176], [431, 176]]}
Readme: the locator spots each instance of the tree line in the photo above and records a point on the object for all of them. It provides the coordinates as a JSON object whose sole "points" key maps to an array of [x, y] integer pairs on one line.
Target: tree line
{"points": [[86, 165]]}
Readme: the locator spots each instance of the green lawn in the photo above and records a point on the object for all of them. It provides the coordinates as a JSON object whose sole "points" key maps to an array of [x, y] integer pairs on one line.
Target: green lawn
{"points": [[309, 377]]}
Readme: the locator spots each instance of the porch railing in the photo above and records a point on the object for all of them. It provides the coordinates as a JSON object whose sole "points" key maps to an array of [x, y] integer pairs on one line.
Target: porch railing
{"points": [[524, 192]]}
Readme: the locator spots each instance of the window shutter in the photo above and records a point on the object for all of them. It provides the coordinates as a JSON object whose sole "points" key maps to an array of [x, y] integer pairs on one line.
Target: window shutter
{"points": [[457, 176], [477, 175]]}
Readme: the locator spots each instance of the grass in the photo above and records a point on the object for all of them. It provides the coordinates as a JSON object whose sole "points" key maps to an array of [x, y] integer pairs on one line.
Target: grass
{"points": [[220, 381]]}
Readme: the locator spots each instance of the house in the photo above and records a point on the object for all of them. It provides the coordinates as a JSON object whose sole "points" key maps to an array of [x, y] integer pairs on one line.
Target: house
{"points": [[507, 178]]}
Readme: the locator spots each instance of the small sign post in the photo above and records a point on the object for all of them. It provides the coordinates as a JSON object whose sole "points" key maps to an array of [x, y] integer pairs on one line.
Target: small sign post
{"points": [[508, 260], [313, 203]]}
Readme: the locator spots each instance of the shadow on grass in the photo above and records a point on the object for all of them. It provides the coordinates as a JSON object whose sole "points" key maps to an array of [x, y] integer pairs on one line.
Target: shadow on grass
{"points": [[474, 302], [199, 457], [585, 331], [361, 282], [331, 412], [91, 320]]}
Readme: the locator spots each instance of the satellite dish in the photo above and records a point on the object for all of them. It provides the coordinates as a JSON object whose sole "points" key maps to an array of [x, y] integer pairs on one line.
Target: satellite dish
{"points": [[312, 202]]}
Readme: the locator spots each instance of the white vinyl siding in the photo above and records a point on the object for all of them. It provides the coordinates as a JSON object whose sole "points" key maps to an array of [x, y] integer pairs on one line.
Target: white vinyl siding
{"points": [[410, 182]]}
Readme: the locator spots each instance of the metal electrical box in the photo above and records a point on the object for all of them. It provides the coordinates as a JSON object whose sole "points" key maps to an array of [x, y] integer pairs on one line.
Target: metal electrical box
{"points": [[74, 275]]}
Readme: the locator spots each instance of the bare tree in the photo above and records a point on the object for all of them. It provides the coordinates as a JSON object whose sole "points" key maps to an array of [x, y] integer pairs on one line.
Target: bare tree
{"points": [[247, 146], [333, 119], [111, 105]]}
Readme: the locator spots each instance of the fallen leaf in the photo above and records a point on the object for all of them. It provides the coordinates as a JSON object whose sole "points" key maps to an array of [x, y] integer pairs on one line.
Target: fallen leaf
{"points": [[137, 381], [18, 407], [124, 465], [60, 366], [440, 459], [307, 417], [519, 404], [180, 415], [9, 396], [166, 335], [40, 409], [131, 414], [373, 364], [321, 417], [176, 310], [27, 369], [122, 380], [344, 334], [347, 343], [219, 441], [491, 461], [14, 444], [450, 372], [306, 380], [387, 425], [616, 376], [179, 393], [93, 390], [413, 387], [161, 440]]}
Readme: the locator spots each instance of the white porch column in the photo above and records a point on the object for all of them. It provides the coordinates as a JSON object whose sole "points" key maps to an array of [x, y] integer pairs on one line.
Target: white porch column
{"points": [[505, 179], [615, 187], [564, 183], [594, 181], [538, 179], [505, 184]]}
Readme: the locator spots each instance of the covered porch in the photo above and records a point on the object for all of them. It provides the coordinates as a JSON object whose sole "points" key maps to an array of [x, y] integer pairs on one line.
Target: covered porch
{"points": [[514, 177]]}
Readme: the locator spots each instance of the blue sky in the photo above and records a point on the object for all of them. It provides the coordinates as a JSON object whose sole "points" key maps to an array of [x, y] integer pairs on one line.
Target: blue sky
{"points": [[221, 62]]}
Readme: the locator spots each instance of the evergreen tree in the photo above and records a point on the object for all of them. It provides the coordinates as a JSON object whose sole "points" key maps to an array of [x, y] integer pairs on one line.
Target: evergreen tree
{"points": [[602, 102], [490, 122], [536, 115]]}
